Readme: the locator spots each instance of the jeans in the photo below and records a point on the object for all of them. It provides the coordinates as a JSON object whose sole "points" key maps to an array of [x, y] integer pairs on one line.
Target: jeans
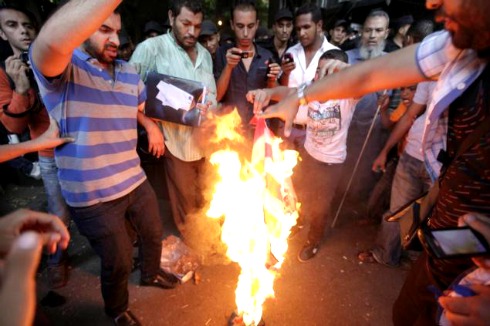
{"points": [[319, 182], [105, 226], [411, 181], [56, 202]]}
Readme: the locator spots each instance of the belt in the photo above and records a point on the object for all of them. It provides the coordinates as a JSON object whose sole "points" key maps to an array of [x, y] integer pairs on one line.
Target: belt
{"points": [[298, 126]]}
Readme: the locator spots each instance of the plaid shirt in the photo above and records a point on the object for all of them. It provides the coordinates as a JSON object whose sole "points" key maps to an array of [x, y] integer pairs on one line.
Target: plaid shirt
{"points": [[455, 70]]}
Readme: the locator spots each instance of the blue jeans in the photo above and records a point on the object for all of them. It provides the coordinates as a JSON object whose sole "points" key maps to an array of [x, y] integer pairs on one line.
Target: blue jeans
{"points": [[411, 181], [105, 226], [56, 203]]}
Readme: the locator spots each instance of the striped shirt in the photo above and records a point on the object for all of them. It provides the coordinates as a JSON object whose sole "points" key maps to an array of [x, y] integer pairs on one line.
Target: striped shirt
{"points": [[455, 70], [100, 113], [163, 55]]}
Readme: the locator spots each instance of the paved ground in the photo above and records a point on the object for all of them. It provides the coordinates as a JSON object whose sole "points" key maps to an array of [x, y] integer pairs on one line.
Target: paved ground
{"points": [[332, 289]]}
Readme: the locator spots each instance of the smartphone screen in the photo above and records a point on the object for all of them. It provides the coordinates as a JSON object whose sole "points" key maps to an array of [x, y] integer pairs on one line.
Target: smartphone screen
{"points": [[455, 242]]}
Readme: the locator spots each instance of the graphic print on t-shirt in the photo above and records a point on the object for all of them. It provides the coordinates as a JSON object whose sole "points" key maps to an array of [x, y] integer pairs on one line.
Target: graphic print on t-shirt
{"points": [[324, 121]]}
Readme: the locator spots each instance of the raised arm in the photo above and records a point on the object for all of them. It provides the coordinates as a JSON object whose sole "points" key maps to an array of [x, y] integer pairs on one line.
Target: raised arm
{"points": [[387, 72], [66, 30]]}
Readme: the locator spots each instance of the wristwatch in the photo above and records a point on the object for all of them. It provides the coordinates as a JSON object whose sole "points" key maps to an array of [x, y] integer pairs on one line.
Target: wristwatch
{"points": [[301, 94]]}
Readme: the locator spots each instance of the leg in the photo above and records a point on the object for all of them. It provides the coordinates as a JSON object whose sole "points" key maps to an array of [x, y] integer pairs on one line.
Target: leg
{"points": [[415, 304], [104, 226], [143, 214], [406, 187], [183, 181]]}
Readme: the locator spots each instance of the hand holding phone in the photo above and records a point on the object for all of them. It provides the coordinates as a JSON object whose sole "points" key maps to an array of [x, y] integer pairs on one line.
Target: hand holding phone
{"points": [[454, 242]]}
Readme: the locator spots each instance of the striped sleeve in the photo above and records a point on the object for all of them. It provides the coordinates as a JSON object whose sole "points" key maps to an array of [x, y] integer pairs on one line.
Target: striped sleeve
{"points": [[435, 51]]}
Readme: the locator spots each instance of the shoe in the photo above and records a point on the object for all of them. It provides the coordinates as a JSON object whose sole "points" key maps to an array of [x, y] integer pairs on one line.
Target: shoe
{"points": [[366, 257], [161, 280], [126, 319], [57, 275], [36, 171], [309, 251]]}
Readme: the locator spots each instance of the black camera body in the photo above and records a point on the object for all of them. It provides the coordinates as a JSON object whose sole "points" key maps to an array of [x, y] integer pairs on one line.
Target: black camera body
{"points": [[243, 54], [24, 57], [287, 58]]}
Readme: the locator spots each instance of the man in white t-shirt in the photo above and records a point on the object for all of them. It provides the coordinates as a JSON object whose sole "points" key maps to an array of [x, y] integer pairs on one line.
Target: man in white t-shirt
{"points": [[322, 156]]}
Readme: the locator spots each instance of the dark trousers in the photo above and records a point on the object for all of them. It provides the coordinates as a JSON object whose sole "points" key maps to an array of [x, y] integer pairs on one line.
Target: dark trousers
{"points": [[318, 185], [105, 226], [185, 187], [415, 304]]}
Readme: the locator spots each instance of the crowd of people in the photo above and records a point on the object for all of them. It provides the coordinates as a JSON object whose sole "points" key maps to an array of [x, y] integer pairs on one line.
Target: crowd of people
{"points": [[344, 100]]}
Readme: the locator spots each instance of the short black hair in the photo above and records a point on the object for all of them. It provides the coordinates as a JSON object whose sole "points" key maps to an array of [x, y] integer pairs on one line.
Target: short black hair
{"points": [[23, 10], [196, 6], [420, 29], [244, 5], [310, 8], [335, 54]]}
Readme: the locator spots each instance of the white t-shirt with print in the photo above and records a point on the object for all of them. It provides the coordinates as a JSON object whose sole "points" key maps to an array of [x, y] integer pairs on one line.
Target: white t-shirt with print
{"points": [[327, 127]]}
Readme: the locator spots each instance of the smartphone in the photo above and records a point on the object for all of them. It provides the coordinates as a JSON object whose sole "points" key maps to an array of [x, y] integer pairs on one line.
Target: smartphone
{"points": [[455, 242], [243, 54], [287, 58], [24, 57]]}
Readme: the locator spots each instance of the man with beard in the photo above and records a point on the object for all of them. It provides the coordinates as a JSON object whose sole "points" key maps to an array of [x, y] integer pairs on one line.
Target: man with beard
{"points": [[179, 54], [98, 100], [458, 59], [281, 39], [22, 108], [372, 42]]}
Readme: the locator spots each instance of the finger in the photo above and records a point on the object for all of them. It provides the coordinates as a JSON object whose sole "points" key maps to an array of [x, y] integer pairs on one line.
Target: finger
{"points": [[460, 320], [457, 305], [18, 288]]}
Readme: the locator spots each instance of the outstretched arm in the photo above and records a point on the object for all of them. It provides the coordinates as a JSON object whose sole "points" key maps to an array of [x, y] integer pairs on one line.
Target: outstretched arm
{"points": [[66, 30], [353, 82]]}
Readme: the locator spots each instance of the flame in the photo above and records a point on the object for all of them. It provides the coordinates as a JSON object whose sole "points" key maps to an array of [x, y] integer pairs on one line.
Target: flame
{"points": [[259, 208]]}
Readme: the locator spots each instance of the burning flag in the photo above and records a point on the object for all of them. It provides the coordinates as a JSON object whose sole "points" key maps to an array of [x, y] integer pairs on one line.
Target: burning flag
{"points": [[258, 204]]}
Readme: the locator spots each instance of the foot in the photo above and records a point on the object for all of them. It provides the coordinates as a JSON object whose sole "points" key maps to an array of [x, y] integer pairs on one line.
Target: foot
{"points": [[57, 275], [366, 257], [126, 319], [162, 280], [309, 251]]}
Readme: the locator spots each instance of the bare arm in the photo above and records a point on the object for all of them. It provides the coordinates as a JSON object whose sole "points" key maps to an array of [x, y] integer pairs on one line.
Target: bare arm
{"points": [[66, 30], [224, 79], [156, 144], [355, 81], [400, 130]]}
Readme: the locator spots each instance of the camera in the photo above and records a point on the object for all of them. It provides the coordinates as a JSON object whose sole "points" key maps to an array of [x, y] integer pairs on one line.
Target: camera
{"points": [[24, 57], [287, 58], [243, 54], [454, 242]]}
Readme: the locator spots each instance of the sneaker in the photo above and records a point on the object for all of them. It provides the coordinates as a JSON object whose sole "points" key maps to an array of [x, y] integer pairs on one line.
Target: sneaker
{"points": [[126, 319], [57, 275], [36, 171], [309, 251]]}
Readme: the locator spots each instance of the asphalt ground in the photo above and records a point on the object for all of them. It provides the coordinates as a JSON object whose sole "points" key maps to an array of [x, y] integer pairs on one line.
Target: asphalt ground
{"points": [[334, 288]]}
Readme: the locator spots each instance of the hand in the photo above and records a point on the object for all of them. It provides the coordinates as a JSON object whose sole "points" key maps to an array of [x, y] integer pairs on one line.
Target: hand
{"points": [[332, 66], [274, 71], [156, 143], [260, 99], [379, 163], [287, 67], [480, 223], [17, 70], [204, 107], [474, 310], [52, 230], [233, 59], [285, 110], [17, 281], [383, 102], [51, 137]]}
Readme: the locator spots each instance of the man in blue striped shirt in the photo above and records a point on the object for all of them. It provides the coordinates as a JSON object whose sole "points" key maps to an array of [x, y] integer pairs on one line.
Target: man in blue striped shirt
{"points": [[98, 100]]}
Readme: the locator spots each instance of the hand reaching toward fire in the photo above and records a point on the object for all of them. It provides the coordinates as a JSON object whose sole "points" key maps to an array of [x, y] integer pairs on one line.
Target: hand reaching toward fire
{"points": [[260, 99]]}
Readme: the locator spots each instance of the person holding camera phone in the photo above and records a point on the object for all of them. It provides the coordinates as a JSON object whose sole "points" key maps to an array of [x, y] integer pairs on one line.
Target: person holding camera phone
{"points": [[243, 66], [468, 300], [22, 108]]}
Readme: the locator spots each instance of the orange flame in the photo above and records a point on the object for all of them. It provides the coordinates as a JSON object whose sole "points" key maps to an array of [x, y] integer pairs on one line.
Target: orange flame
{"points": [[258, 203]]}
